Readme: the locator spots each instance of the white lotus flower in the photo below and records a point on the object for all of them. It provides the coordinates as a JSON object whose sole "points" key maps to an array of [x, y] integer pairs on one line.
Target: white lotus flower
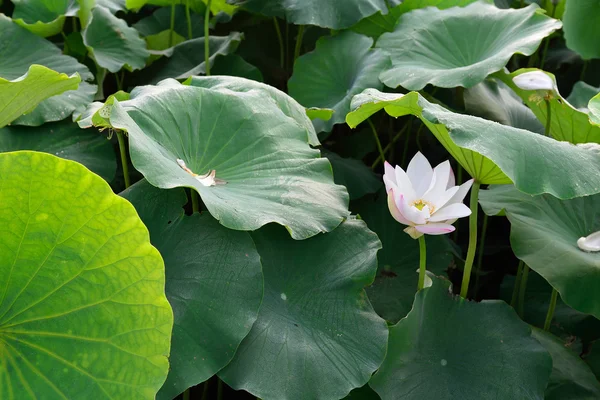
{"points": [[535, 80], [590, 243], [207, 179], [425, 198]]}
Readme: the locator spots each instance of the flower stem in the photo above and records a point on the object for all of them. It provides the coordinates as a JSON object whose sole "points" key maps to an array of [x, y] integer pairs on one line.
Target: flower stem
{"points": [[219, 390], [195, 200], [551, 309], [188, 18], [281, 46], [389, 146], [381, 152], [548, 117], [522, 290], [298, 42], [124, 162], [480, 253], [186, 394], [422, 261], [515, 294], [464, 289], [172, 31], [207, 38], [205, 390]]}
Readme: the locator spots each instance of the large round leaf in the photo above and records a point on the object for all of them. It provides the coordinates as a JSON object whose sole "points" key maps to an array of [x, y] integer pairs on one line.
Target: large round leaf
{"points": [[187, 58], [113, 43], [494, 153], [567, 123], [582, 32], [340, 67], [214, 284], [43, 17], [83, 312], [544, 233], [335, 14], [66, 140], [581, 94], [271, 174], [160, 20], [16, 58], [451, 348], [354, 174], [317, 335], [460, 46], [393, 291], [285, 103], [571, 378]]}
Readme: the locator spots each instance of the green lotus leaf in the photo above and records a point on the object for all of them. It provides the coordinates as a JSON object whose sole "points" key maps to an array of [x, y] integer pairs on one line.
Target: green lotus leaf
{"points": [[594, 111], [493, 100], [354, 174], [393, 291], [97, 114], [114, 44], [234, 65], [216, 6], [544, 233], [581, 29], [567, 123], [379, 23], [571, 378], [43, 17], [16, 58], [494, 153], [317, 335], [260, 168], [334, 14], [581, 94], [448, 347], [113, 5], [340, 67], [460, 46], [160, 21], [215, 295], [23, 94], [187, 58], [321, 113], [285, 103], [65, 140], [83, 313]]}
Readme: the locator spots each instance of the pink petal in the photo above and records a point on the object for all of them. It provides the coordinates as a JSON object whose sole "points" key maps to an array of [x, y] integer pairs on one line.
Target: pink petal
{"points": [[420, 173], [452, 211], [394, 209], [435, 229], [451, 179], [404, 184], [389, 171]]}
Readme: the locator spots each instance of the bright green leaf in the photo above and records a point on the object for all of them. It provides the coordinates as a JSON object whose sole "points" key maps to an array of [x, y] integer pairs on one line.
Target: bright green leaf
{"points": [[393, 291], [594, 112], [582, 32], [581, 94], [321, 113], [264, 170], [340, 67], [567, 123], [448, 347], [43, 17], [285, 103], [65, 140], [571, 378], [215, 295], [460, 46], [23, 94], [317, 335], [16, 58], [113, 43], [494, 153], [544, 233], [83, 312], [334, 14]]}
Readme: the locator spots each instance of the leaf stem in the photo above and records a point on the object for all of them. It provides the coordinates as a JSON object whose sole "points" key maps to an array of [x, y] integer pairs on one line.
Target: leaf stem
{"points": [[219, 389], [551, 309], [522, 290], [389, 146], [298, 42], [124, 162], [195, 201], [547, 40], [172, 29], [381, 152], [281, 46], [207, 38], [188, 18], [464, 289], [422, 262], [480, 253], [205, 390], [583, 70], [548, 117], [186, 394], [515, 293]]}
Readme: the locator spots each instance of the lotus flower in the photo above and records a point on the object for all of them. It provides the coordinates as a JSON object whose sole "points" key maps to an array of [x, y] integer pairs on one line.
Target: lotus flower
{"points": [[535, 80], [425, 198], [590, 243]]}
